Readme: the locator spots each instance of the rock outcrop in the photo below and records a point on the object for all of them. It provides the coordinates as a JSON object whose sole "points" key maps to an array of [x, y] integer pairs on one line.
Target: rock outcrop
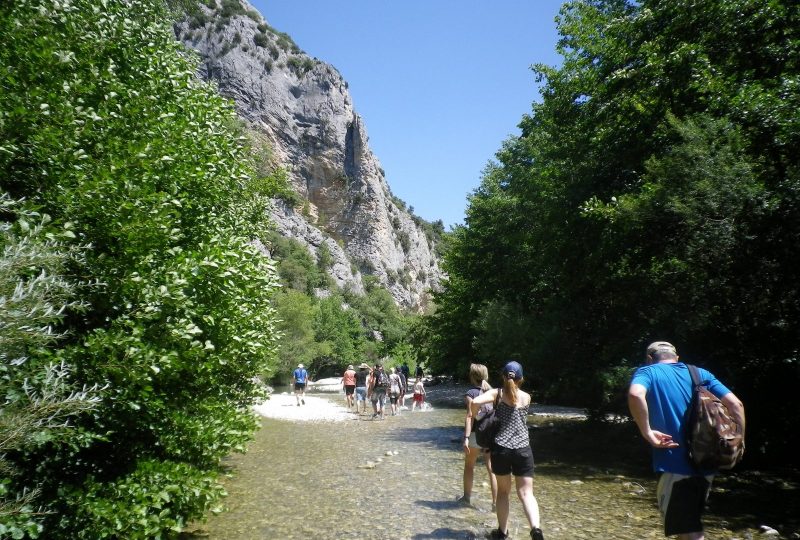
{"points": [[303, 108]]}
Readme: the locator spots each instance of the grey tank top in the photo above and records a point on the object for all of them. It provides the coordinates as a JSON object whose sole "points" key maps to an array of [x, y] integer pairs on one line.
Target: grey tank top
{"points": [[513, 432]]}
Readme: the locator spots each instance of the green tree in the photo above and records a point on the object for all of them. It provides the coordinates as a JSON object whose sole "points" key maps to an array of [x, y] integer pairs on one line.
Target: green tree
{"points": [[105, 128], [296, 313], [339, 335], [651, 194], [380, 315]]}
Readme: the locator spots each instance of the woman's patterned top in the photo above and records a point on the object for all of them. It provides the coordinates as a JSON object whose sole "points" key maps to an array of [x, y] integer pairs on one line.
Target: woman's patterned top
{"points": [[513, 432]]}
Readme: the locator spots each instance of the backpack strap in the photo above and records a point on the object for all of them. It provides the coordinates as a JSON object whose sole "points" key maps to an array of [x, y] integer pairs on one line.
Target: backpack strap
{"points": [[695, 374]]}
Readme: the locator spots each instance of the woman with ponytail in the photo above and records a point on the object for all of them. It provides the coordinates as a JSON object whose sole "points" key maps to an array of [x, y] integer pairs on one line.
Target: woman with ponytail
{"points": [[511, 451], [478, 378]]}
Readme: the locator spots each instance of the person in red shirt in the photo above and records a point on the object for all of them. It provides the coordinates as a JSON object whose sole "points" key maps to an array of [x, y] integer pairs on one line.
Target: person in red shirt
{"points": [[349, 385]]}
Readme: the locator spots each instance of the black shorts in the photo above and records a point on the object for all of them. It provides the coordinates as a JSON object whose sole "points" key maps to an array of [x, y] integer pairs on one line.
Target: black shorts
{"points": [[681, 500], [516, 461], [349, 390], [299, 386]]}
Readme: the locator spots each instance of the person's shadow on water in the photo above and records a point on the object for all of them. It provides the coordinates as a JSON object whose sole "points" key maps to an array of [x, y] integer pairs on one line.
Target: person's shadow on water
{"points": [[441, 505], [447, 532]]}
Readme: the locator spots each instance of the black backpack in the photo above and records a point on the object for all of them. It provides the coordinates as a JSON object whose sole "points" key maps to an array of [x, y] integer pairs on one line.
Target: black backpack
{"points": [[486, 423], [714, 439]]}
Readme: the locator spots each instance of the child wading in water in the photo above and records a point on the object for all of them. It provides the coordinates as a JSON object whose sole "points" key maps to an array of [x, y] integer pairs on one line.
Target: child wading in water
{"points": [[419, 394]]}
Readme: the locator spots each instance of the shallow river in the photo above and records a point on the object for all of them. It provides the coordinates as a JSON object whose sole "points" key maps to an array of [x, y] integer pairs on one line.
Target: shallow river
{"points": [[399, 478]]}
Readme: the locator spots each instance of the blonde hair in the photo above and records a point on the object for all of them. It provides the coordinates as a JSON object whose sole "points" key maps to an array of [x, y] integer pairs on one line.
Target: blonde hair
{"points": [[478, 376], [512, 387]]}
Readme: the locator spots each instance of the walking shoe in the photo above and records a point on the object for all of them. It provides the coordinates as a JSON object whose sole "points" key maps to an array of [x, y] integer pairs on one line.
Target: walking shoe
{"points": [[303, 401], [536, 534], [497, 534]]}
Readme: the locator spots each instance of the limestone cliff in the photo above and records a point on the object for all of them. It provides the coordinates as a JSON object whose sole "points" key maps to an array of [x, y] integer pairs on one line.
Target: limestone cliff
{"points": [[303, 108]]}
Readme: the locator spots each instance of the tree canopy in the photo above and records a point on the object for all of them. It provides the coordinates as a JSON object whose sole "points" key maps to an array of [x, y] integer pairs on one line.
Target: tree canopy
{"points": [[652, 194]]}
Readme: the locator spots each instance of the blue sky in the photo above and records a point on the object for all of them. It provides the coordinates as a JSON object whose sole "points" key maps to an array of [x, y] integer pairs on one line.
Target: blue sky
{"points": [[440, 84]]}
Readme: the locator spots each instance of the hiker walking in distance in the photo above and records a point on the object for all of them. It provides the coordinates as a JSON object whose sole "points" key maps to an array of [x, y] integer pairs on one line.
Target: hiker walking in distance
{"points": [[378, 384], [511, 450], [349, 386], [362, 380], [300, 377], [659, 396]]}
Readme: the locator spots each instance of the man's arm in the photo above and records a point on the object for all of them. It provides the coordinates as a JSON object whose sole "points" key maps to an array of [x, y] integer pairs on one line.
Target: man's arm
{"points": [[637, 403], [735, 407]]}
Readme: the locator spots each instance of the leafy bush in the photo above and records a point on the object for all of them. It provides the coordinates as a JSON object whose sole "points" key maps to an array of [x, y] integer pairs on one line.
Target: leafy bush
{"points": [[175, 494], [296, 266], [285, 41], [405, 241], [324, 257], [300, 65], [261, 40], [198, 20], [39, 398], [232, 7], [105, 128], [253, 15]]}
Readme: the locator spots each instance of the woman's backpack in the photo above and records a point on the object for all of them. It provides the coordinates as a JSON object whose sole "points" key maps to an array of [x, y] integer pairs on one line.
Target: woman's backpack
{"points": [[486, 424]]}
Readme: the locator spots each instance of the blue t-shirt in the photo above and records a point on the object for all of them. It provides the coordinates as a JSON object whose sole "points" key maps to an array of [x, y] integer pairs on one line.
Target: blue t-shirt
{"points": [[300, 375], [669, 393]]}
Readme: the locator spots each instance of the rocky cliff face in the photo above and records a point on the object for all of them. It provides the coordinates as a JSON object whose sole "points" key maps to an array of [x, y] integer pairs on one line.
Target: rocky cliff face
{"points": [[303, 108]]}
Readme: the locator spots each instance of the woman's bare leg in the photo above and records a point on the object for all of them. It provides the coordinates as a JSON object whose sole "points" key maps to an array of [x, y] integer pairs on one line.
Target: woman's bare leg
{"points": [[470, 458], [487, 457], [503, 503], [529, 503]]}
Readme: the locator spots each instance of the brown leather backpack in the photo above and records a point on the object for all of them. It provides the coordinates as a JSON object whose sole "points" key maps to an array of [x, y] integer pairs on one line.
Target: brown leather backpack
{"points": [[715, 440]]}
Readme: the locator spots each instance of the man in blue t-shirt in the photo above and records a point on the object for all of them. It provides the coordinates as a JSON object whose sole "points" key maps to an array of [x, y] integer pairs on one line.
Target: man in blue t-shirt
{"points": [[300, 376], [659, 396]]}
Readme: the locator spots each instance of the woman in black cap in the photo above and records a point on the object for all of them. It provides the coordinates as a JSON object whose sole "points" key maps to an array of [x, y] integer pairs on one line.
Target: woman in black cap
{"points": [[511, 450]]}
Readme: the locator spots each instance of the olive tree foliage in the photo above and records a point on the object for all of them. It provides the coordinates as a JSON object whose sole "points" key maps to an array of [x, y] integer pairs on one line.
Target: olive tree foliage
{"points": [[652, 194], [38, 401], [105, 129]]}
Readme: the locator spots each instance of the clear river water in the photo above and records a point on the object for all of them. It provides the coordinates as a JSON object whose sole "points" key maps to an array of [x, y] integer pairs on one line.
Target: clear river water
{"points": [[398, 479]]}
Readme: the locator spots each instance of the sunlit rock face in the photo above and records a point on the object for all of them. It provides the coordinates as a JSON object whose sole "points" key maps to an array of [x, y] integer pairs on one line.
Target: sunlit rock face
{"points": [[302, 109]]}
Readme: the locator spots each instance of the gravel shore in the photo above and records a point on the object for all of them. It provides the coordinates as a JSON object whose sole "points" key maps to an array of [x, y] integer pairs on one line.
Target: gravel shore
{"points": [[316, 408], [331, 407]]}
